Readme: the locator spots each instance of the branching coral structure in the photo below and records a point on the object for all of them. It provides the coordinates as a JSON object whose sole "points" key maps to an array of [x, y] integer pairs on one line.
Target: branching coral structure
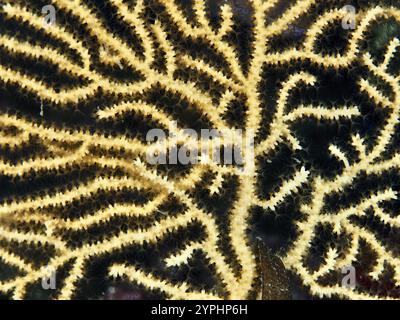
{"points": [[78, 196]]}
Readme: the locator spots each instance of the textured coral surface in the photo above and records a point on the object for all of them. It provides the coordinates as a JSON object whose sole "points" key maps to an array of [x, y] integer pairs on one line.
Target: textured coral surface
{"points": [[321, 193]]}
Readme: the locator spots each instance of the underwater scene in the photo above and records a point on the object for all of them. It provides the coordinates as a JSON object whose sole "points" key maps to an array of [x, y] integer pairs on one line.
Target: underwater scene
{"points": [[199, 149]]}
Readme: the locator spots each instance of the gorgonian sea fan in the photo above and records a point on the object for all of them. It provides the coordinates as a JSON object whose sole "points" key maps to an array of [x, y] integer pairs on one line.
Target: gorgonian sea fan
{"points": [[78, 97]]}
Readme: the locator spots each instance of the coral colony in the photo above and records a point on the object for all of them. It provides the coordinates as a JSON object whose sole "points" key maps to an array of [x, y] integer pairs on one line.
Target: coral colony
{"points": [[305, 203]]}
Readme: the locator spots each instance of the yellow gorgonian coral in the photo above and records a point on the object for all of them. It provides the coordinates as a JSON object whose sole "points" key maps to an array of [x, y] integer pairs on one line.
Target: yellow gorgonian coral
{"points": [[81, 93]]}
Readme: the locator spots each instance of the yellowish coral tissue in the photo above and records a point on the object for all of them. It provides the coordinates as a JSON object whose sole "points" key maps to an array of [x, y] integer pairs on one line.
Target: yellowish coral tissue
{"points": [[79, 93]]}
